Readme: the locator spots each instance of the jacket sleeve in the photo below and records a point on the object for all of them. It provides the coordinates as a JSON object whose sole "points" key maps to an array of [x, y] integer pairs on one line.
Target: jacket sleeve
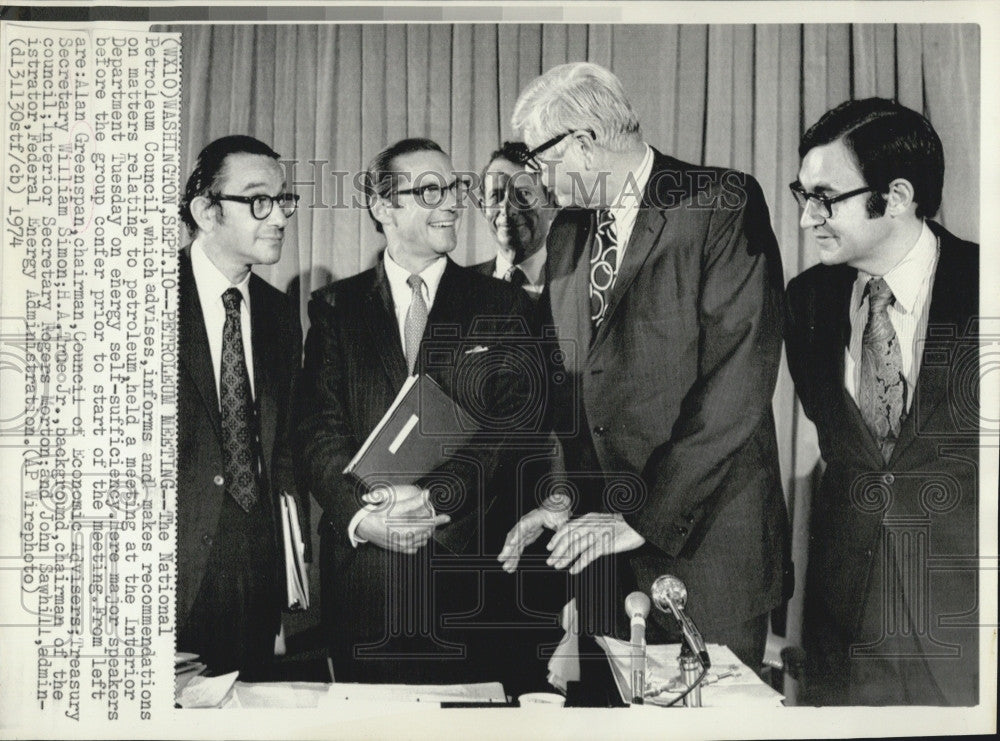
{"points": [[740, 315], [324, 440], [287, 476]]}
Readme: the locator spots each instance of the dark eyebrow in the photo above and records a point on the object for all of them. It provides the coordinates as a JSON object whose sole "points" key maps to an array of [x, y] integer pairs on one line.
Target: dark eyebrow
{"points": [[259, 186]]}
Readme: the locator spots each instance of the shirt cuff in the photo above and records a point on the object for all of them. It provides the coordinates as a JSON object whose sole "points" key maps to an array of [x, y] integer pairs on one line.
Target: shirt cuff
{"points": [[352, 526]]}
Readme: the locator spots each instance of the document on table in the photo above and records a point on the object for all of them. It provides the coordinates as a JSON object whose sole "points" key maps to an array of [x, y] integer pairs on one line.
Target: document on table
{"points": [[728, 683], [485, 692]]}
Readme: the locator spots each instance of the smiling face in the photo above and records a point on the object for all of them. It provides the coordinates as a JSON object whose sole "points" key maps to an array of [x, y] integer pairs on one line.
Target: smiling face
{"points": [[413, 229], [515, 207], [850, 236], [234, 240]]}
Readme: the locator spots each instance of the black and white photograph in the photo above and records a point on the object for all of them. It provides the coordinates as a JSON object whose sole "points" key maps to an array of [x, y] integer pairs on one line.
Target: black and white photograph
{"points": [[520, 369]]}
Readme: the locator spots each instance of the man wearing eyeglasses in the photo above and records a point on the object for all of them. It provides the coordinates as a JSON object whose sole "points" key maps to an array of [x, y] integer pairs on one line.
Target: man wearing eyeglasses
{"points": [[239, 349], [878, 348], [405, 609], [666, 280], [519, 212]]}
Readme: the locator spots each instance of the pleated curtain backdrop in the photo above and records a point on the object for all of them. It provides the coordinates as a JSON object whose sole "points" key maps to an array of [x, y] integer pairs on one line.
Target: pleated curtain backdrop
{"points": [[330, 96]]}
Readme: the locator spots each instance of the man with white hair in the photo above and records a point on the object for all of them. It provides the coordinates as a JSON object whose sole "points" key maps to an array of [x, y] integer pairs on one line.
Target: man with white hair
{"points": [[666, 286]]}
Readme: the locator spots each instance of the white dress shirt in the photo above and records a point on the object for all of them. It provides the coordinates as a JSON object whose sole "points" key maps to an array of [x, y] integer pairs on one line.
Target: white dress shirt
{"points": [[211, 285], [533, 268], [910, 282], [402, 294], [626, 208]]}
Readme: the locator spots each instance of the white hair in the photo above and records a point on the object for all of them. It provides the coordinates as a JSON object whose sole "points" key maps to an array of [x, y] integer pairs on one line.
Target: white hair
{"points": [[574, 96]]}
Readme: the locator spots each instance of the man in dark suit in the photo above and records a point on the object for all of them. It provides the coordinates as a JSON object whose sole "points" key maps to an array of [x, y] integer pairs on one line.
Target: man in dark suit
{"points": [[879, 349], [239, 352], [666, 290], [405, 608], [519, 212]]}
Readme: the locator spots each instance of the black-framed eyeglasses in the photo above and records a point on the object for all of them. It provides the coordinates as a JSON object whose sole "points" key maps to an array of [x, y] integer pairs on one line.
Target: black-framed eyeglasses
{"points": [[530, 158], [518, 193], [433, 194], [825, 203], [261, 205]]}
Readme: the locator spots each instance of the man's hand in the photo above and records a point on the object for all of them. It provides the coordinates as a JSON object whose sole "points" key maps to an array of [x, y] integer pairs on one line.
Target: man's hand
{"points": [[552, 514], [596, 534], [403, 520]]}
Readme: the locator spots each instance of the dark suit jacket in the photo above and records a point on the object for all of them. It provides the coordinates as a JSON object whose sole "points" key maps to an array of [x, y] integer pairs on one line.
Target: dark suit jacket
{"points": [[277, 342], [673, 393], [354, 367], [485, 268], [927, 491]]}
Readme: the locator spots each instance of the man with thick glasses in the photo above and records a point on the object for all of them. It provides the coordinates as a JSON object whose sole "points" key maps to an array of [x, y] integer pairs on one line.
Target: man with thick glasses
{"points": [[402, 587], [878, 346], [239, 350], [519, 212], [668, 278]]}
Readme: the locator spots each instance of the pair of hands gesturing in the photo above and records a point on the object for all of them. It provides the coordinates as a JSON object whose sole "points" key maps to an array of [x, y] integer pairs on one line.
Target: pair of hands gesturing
{"points": [[576, 543]]}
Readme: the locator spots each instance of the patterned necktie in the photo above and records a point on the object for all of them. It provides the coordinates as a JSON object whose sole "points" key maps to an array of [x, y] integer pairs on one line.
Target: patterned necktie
{"points": [[416, 321], [237, 408], [603, 265], [516, 277], [882, 389]]}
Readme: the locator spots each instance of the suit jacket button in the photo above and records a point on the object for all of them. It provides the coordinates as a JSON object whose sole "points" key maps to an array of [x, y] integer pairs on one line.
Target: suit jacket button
{"points": [[599, 431], [868, 553], [689, 519], [888, 479], [206, 539], [681, 530], [219, 481]]}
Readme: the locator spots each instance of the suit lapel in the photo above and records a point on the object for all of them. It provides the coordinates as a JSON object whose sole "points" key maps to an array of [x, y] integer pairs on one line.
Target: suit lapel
{"points": [[568, 271], [945, 312], [195, 357], [264, 373], [380, 316], [862, 440], [447, 302], [646, 234]]}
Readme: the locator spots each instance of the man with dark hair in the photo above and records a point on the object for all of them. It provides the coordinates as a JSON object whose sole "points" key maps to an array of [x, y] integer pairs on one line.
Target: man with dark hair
{"points": [[401, 579], [239, 351], [878, 348], [519, 212]]}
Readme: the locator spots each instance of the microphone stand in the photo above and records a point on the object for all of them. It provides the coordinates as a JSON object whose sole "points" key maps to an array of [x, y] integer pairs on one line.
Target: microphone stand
{"points": [[690, 664]]}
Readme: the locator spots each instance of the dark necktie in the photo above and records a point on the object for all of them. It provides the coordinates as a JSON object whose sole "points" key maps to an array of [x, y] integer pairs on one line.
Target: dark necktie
{"points": [[237, 408], [603, 265], [416, 321], [516, 276], [882, 388]]}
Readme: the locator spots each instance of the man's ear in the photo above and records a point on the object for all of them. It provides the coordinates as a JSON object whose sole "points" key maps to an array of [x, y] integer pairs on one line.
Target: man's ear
{"points": [[382, 211], [899, 199], [206, 214], [587, 148]]}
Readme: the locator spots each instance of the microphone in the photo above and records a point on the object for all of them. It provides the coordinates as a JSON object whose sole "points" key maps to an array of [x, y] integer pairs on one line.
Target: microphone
{"points": [[670, 595], [637, 608]]}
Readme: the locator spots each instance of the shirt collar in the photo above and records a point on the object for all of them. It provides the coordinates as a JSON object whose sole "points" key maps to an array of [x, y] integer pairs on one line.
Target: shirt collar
{"points": [[210, 280], [532, 266], [635, 186], [907, 278], [398, 276]]}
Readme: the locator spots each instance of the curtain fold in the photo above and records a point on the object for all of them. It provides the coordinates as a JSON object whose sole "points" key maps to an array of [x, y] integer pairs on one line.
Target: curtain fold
{"points": [[329, 97]]}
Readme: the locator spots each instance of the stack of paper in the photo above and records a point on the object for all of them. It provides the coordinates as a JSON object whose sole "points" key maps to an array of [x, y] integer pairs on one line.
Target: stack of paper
{"points": [[186, 668], [728, 683], [207, 692]]}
